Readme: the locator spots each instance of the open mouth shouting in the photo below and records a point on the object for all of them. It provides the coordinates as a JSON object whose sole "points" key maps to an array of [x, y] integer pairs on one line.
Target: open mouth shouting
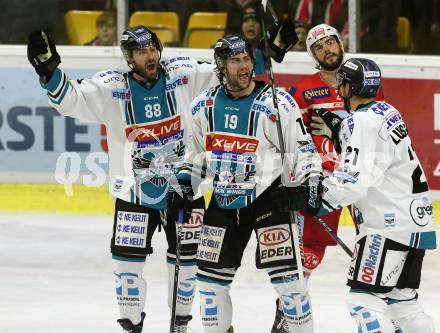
{"points": [[243, 77], [151, 68]]}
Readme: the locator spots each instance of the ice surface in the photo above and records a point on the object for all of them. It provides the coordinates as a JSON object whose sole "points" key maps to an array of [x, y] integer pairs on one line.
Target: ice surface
{"points": [[56, 277]]}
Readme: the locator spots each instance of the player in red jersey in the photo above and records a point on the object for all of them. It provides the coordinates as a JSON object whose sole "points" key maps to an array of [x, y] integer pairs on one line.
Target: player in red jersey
{"points": [[319, 90], [314, 92]]}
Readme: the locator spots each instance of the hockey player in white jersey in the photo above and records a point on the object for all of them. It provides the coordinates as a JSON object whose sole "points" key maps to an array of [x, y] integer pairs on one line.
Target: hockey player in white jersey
{"points": [[235, 142], [381, 175], [147, 117]]}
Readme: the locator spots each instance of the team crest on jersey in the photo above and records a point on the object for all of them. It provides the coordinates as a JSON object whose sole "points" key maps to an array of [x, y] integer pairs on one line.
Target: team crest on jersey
{"points": [[311, 260], [314, 93], [225, 177]]}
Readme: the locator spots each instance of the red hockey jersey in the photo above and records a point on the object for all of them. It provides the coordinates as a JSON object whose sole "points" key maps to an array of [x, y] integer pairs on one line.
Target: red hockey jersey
{"points": [[312, 93]]}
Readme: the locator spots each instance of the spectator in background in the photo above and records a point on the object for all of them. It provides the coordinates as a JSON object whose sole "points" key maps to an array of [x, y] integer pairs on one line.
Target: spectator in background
{"points": [[301, 29], [315, 12], [251, 31], [105, 30], [235, 9], [251, 26]]}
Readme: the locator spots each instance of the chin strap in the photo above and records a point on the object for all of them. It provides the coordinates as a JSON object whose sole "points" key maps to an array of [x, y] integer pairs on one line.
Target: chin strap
{"points": [[347, 105]]}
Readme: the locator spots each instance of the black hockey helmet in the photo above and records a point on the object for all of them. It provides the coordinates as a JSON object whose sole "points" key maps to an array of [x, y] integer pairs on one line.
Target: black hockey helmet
{"points": [[137, 38], [363, 76], [230, 46]]}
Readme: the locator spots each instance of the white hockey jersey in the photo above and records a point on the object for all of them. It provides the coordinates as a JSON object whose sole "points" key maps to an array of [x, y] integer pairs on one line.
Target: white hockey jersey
{"points": [[380, 174], [235, 142], [146, 127]]}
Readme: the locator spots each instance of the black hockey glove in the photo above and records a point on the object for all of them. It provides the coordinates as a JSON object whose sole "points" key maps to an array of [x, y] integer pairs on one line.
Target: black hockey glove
{"points": [[306, 197], [314, 194], [180, 196], [282, 38], [328, 124], [42, 55]]}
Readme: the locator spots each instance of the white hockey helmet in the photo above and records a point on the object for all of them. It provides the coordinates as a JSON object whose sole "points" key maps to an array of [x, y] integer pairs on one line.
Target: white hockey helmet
{"points": [[318, 32]]}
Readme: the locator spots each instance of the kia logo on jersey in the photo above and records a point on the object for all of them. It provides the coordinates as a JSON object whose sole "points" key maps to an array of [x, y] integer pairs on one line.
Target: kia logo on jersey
{"points": [[274, 236], [229, 143], [195, 221]]}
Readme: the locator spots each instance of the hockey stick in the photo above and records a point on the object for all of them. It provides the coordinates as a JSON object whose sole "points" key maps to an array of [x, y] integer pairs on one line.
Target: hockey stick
{"points": [[293, 225], [267, 4], [334, 236], [176, 270]]}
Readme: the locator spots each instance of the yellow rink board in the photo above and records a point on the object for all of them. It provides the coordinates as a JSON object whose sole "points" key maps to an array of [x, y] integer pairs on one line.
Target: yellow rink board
{"points": [[46, 198]]}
